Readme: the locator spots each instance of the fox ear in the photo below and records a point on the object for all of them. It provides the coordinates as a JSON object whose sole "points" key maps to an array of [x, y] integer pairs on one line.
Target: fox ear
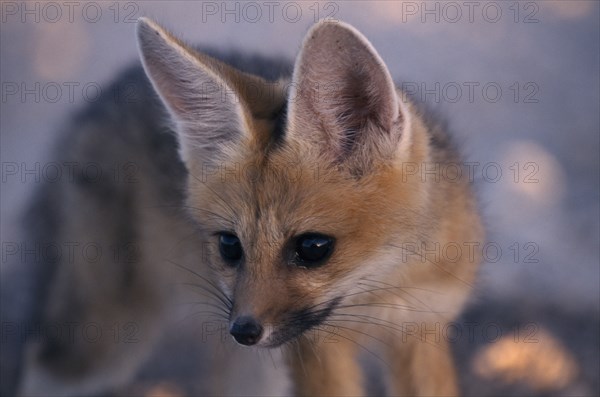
{"points": [[206, 109], [343, 99]]}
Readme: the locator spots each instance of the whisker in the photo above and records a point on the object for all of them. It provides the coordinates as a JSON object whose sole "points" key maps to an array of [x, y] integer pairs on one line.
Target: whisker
{"points": [[313, 348], [424, 258], [357, 331], [403, 287], [386, 305], [202, 313], [211, 293], [207, 280], [410, 295], [354, 342], [392, 325], [222, 309]]}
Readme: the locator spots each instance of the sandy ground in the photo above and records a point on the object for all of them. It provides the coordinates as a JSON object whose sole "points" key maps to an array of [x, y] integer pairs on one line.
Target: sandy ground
{"points": [[534, 107]]}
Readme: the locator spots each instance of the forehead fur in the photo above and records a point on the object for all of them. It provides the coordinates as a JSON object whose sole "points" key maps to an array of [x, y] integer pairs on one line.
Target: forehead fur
{"points": [[290, 190]]}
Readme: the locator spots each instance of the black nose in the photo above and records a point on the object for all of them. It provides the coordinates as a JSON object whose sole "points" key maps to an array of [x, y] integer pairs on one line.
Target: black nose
{"points": [[246, 330]]}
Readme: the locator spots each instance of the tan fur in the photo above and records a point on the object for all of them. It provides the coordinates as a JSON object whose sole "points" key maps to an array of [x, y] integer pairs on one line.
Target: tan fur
{"points": [[352, 187]]}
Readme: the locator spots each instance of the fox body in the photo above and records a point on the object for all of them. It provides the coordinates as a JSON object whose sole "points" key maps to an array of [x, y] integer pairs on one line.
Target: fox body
{"points": [[305, 211]]}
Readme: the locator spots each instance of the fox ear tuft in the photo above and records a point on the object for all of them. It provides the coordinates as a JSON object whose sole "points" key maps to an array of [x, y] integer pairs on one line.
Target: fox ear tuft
{"points": [[343, 98], [206, 110]]}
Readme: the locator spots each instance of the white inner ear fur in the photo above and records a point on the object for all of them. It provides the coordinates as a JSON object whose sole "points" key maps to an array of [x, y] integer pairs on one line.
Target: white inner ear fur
{"points": [[406, 138]]}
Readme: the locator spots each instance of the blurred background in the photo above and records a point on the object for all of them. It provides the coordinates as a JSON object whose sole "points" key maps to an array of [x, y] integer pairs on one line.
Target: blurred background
{"points": [[518, 83]]}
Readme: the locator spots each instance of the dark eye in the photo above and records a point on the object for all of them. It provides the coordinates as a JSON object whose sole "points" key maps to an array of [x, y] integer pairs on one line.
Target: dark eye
{"points": [[230, 247], [313, 249]]}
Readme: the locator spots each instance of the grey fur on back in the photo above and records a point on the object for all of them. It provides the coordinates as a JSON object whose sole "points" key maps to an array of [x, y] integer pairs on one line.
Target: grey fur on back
{"points": [[134, 212]]}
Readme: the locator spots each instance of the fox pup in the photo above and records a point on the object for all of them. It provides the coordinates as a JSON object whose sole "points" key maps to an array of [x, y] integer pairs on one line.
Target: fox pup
{"points": [[319, 222], [311, 211]]}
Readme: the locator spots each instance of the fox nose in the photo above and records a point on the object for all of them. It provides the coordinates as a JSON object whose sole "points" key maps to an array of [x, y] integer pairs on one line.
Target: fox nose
{"points": [[246, 330]]}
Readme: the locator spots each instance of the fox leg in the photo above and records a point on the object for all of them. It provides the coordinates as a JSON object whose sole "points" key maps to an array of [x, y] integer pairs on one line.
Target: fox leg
{"points": [[422, 367], [324, 367]]}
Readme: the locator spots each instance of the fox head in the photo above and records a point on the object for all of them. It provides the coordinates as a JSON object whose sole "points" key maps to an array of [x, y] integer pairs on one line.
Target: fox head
{"points": [[297, 186]]}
